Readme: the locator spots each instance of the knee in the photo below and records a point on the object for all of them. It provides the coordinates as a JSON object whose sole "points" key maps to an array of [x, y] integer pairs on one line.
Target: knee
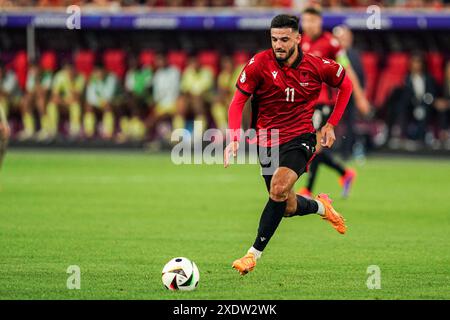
{"points": [[279, 192]]}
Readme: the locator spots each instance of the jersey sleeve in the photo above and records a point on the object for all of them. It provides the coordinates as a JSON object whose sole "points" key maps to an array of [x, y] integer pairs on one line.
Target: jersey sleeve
{"points": [[249, 77], [335, 47], [331, 72]]}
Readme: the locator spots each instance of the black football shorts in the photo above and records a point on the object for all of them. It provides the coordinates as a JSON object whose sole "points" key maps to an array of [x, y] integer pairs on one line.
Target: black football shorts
{"points": [[294, 154]]}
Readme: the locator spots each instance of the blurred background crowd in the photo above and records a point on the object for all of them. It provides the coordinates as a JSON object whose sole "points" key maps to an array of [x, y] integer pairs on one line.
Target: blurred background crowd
{"points": [[436, 4], [137, 86]]}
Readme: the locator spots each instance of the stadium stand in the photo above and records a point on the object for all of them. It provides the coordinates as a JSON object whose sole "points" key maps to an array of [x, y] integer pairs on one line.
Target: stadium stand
{"points": [[385, 56]]}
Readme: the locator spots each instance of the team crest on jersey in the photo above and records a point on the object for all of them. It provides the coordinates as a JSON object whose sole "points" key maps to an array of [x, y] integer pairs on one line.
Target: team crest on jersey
{"points": [[304, 77], [243, 77], [274, 74]]}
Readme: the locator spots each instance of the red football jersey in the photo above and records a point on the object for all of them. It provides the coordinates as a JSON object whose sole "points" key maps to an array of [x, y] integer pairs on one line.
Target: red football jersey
{"points": [[284, 97], [325, 46]]}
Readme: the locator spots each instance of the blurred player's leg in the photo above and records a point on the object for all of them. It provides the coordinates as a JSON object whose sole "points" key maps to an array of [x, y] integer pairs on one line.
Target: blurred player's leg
{"points": [[52, 118], [325, 156], [219, 112], [198, 107], [124, 115], [108, 122], [74, 118], [349, 122], [328, 159], [4, 134], [137, 130], [312, 173], [346, 175], [346, 181], [41, 97], [89, 121], [179, 121], [26, 110]]}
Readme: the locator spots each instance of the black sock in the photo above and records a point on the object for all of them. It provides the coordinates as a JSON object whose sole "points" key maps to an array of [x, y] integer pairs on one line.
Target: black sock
{"points": [[305, 206], [270, 219], [331, 162]]}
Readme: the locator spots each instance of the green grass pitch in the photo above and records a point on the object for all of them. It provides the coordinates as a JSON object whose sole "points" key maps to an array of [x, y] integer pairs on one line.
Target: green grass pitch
{"points": [[121, 217]]}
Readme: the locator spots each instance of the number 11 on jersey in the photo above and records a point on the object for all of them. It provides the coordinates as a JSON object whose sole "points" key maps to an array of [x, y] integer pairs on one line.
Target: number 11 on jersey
{"points": [[289, 94]]}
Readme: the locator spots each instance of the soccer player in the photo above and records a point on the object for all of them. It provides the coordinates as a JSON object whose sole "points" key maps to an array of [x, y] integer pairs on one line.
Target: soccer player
{"points": [[10, 92], [101, 91], [323, 44], [197, 82], [284, 84], [138, 80], [165, 95], [226, 81], [67, 89], [37, 88]]}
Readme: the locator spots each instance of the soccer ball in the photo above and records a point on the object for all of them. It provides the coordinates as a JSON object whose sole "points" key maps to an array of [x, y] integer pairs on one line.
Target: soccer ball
{"points": [[180, 274]]}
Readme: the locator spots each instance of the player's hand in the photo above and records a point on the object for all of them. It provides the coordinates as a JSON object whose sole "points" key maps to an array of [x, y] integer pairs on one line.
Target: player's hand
{"points": [[328, 136], [231, 149]]}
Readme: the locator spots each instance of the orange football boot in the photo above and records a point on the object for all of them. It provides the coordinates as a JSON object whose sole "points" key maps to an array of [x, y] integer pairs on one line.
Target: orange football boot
{"points": [[336, 220], [245, 264]]}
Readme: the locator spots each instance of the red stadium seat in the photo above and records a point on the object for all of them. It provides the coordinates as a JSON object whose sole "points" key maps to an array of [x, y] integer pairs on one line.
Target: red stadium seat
{"points": [[48, 61], [398, 63], [177, 59], [435, 64], [370, 62], [210, 59], [241, 57], [114, 61], [84, 62], [392, 76], [147, 57], [20, 66]]}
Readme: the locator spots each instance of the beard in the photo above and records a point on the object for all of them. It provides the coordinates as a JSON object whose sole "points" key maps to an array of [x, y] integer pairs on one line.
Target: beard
{"points": [[289, 54]]}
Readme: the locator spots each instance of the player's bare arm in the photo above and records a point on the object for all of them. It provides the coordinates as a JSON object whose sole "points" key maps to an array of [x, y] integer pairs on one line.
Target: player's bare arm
{"points": [[235, 117]]}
